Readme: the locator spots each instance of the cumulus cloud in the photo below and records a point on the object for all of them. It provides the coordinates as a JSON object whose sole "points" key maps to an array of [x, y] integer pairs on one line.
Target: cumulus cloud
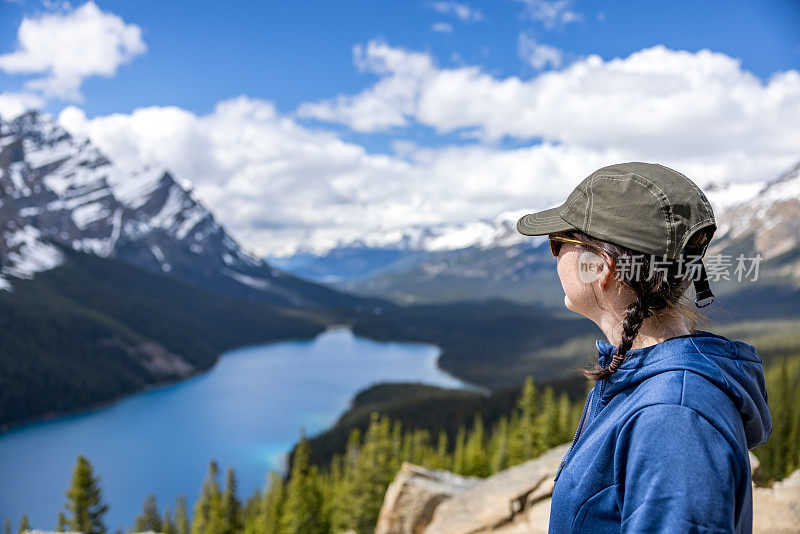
{"points": [[66, 48], [463, 12], [276, 184], [14, 104], [656, 103], [538, 55], [388, 103]]}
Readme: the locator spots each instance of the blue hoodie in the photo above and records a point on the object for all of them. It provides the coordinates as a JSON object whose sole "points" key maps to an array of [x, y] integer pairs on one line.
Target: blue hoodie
{"points": [[662, 443]]}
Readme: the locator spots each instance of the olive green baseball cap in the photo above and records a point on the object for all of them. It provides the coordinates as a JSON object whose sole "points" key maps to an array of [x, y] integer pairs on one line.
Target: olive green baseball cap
{"points": [[646, 207]]}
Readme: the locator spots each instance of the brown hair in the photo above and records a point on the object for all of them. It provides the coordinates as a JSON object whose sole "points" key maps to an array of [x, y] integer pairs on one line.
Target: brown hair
{"points": [[661, 296]]}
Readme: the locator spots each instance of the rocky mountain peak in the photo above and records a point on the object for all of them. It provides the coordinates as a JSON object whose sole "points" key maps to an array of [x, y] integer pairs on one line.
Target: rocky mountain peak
{"points": [[56, 188]]}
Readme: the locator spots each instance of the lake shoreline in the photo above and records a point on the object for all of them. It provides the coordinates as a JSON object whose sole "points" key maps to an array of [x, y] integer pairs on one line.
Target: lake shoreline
{"points": [[200, 371], [244, 413], [100, 405]]}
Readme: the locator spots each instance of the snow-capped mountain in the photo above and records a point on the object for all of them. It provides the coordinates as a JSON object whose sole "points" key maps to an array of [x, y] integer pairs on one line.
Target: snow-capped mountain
{"points": [[767, 223], [57, 189], [490, 258], [483, 233], [360, 259]]}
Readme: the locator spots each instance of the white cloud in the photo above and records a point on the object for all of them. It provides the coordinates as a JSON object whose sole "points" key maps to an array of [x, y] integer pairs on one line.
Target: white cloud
{"points": [[656, 102], [276, 184], [442, 27], [538, 55], [463, 12], [551, 13], [65, 48], [13, 104], [386, 104]]}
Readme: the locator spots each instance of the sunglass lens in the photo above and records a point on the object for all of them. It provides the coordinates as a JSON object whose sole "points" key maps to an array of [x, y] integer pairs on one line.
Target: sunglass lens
{"points": [[555, 246]]}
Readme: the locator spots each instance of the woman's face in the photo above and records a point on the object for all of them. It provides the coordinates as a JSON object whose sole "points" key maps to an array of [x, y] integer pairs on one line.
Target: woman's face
{"points": [[579, 293]]}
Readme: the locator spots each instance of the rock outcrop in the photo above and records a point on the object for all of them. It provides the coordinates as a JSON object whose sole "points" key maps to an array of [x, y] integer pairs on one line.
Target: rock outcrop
{"points": [[437, 501], [415, 494], [517, 500], [776, 510]]}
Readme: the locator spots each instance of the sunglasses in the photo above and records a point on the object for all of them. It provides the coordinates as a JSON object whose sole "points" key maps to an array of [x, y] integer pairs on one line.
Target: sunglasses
{"points": [[555, 243]]}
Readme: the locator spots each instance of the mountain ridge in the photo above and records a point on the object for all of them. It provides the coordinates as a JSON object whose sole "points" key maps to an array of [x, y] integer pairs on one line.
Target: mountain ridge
{"points": [[55, 187], [757, 218]]}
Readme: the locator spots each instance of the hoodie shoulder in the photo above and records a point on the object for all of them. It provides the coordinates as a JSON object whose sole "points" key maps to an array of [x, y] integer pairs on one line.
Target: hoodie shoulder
{"points": [[720, 379]]}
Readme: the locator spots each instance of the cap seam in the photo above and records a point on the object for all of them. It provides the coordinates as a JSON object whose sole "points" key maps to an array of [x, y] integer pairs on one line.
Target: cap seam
{"points": [[533, 216], [667, 216], [591, 204], [567, 206], [702, 195]]}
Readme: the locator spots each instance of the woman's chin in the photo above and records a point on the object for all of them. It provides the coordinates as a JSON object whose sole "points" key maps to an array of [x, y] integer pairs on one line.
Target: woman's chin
{"points": [[571, 306]]}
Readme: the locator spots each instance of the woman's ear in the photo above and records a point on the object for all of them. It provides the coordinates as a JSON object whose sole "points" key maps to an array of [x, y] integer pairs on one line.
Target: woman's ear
{"points": [[609, 271]]}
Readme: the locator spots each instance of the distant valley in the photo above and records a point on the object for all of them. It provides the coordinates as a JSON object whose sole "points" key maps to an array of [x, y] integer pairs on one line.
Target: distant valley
{"points": [[762, 218]]}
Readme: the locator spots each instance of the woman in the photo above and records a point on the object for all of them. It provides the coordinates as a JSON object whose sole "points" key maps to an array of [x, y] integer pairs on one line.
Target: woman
{"points": [[663, 439]]}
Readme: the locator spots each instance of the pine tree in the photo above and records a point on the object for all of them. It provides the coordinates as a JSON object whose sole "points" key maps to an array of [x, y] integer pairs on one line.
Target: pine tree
{"points": [[459, 464], [375, 469], [273, 504], [782, 430], [181, 517], [475, 459], [342, 510], [62, 525], [407, 446], [547, 420], [7, 527], [150, 518], [397, 442], [24, 524], [331, 484], [230, 506], [420, 447], [251, 513], [499, 446], [442, 452], [207, 510], [167, 525], [525, 441], [84, 500], [301, 513]]}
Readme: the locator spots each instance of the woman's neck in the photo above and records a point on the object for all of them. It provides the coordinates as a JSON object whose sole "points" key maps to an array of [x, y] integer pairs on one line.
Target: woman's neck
{"points": [[651, 332]]}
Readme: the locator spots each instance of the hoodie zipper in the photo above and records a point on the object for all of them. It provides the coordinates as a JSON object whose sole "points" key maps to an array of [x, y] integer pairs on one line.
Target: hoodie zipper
{"points": [[578, 433]]}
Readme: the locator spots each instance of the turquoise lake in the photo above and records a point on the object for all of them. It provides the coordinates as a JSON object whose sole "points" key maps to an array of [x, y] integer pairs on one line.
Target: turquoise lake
{"points": [[246, 412]]}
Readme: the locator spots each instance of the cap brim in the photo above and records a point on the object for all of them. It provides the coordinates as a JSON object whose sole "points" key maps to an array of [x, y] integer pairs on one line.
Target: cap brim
{"points": [[543, 222]]}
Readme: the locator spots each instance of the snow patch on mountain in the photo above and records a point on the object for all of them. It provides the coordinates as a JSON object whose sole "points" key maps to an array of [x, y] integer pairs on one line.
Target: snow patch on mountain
{"points": [[763, 209], [29, 255], [58, 188], [723, 196], [257, 283]]}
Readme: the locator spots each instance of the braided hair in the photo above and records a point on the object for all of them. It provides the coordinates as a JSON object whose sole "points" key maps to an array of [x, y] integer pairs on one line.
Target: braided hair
{"points": [[659, 293]]}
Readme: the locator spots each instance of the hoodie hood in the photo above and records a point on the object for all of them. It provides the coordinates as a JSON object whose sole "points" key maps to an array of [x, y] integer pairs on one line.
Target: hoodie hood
{"points": [[733, 366]]}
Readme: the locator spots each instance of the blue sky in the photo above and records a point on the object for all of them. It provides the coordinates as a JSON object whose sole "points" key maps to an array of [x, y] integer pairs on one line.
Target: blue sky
{"points": [[288, 52], [381, 102]]}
